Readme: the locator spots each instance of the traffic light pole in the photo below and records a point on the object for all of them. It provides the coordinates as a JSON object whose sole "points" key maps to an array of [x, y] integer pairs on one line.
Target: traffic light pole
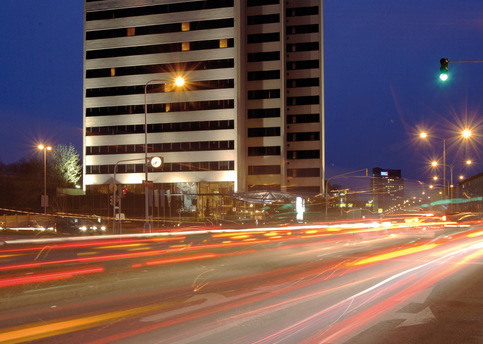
{"points": [[444, 66]]}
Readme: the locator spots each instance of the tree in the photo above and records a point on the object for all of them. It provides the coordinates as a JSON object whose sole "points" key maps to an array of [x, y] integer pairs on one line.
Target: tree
{"points": [[66, 165]]}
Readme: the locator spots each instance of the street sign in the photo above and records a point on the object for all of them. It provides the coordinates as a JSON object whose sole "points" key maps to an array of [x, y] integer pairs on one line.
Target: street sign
{"points": [[148, 183]]}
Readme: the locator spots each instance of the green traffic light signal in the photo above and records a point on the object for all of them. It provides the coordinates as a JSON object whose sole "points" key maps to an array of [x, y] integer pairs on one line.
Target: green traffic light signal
{"points": [[444, 69]]}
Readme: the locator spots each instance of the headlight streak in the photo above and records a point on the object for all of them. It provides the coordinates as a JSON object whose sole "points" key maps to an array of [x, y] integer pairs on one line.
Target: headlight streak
{"points": [[349, 325], [8, 282], [332, 271], [188, 317]]}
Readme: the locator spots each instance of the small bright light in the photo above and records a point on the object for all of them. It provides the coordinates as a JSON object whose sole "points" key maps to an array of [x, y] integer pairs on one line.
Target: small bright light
{"points": [[443, 76], [466, 133], [41, 146], [179, 81], [423, 135]]}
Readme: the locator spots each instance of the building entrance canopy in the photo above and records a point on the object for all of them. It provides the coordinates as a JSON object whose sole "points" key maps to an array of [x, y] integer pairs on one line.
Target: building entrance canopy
{"points": [[264, 197]]}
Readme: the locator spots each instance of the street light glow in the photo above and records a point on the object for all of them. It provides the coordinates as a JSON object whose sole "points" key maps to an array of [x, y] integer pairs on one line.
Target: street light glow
{"points": [[466, 133], [179, 81]]}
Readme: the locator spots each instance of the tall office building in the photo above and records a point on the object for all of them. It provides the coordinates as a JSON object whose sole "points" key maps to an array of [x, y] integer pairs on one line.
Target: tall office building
{"points": [[387, 188], [249, 117]]}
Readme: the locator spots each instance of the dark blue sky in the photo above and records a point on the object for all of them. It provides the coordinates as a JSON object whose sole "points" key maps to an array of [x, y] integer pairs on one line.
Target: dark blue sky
{"points": [[381, 80]]}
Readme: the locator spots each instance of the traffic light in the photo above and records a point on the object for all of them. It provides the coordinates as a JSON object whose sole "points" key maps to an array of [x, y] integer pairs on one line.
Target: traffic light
{"points": [[444, 69]]}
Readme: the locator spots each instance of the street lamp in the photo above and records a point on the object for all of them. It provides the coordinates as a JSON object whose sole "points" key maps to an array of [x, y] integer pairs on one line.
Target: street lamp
{"points": [[466, 133], [45, 200], [451, 167], [179, 81]]}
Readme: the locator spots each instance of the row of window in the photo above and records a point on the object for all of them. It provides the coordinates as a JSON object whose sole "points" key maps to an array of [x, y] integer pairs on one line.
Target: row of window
{"points": [[300, 29], [159, 88], [159, 29], [263, 75], [307, 136], [251, 3], [264, 150], [263, 37], [310, 118], [158, 9], [306, 82], [175, 67], [302, 11], [263, 19], [263, 169], [262, 132], [264, 113], [160, 48], [263, 94], [303, 154], [162, 147], [161, 127], [275, 150], [265, 56], [154, 108], [306, 100], [305, 46], [167, 167], [303, 172]]}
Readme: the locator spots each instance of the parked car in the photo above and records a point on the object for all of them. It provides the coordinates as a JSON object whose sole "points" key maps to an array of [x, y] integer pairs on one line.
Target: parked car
{"points": [[78, 226]]}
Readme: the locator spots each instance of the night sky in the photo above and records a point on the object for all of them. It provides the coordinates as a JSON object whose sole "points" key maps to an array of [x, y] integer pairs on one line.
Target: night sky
{"points": [[381, 81]]}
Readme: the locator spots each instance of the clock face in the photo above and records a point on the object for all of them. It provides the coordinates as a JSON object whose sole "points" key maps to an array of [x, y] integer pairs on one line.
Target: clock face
{"points": [[156, 161]]}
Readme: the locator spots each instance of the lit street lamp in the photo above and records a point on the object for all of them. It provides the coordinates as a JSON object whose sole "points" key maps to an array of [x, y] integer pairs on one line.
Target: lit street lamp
{"points": [[45, 201], [466, 133], [179, 81]]}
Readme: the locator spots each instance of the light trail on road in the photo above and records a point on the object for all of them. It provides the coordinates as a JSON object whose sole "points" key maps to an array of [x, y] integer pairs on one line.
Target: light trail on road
{"points": [[304, 285]]}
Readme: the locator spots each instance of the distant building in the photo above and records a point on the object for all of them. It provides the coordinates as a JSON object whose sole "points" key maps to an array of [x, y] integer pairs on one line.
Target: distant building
{"points": [[387, 188], [251, 116], [470, 194]]}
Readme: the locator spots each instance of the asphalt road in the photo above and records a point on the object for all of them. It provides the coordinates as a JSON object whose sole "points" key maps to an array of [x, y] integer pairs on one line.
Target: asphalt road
{"points": [[301, 286]]}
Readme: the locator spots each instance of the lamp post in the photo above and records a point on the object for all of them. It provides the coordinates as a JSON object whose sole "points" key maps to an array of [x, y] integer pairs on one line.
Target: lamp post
{"points": [[466, 133], [179, 81], [45, 200], [451, 167]]}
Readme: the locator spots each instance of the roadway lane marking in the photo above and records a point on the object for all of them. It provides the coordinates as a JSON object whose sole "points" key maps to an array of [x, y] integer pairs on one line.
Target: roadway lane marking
{"points": [[411, 319]]}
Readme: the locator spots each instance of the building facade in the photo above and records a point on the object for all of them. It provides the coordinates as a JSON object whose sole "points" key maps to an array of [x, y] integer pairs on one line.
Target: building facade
{"points": [[469, 194], [249, 117], [387, 188]]}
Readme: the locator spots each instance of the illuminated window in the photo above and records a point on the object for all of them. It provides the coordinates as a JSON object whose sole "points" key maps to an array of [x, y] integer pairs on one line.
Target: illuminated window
{"points": [[185, 26], [223, 43], [113, 71], [131, 31], [185, 46]]}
